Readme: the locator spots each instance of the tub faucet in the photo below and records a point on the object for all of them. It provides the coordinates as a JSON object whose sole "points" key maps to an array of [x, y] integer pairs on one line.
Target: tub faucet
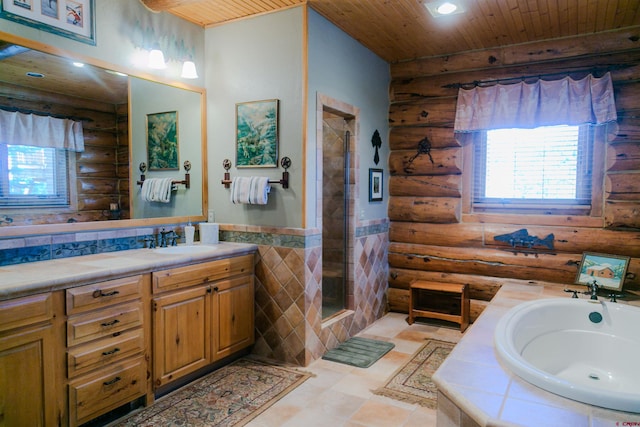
{"points": [[592, 289]]}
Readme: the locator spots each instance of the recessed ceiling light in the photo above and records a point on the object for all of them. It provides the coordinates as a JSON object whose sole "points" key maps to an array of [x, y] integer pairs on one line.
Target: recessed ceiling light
{"points": [[78, 64], [444, 8]]}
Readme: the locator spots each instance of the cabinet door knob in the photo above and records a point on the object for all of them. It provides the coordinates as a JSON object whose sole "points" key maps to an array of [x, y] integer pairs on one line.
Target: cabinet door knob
{"points": [[215, 288]]}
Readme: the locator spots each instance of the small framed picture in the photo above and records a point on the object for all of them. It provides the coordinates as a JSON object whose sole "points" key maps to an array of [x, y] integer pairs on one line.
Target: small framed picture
{"points": [[608, 271], [375, 185]]}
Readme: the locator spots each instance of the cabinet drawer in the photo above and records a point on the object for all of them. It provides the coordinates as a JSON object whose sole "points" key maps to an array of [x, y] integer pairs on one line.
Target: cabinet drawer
{"points": [[24, 311], [106, 351], [102, 323], [102, 294], [108, 389], [198, 274]]}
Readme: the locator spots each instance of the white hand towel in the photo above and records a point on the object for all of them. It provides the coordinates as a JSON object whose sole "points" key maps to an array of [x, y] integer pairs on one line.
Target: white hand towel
{"points": [[164, 190], [147, 189], [156, 190], [253, 190]]}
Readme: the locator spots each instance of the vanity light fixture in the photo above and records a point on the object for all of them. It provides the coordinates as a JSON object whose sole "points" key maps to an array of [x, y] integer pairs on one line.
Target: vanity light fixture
{"points": [[189, 70], [156, 60], [444, 8]]}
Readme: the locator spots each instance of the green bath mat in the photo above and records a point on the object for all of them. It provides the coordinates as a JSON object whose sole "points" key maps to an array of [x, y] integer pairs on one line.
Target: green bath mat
{"points": [[360, 352]]}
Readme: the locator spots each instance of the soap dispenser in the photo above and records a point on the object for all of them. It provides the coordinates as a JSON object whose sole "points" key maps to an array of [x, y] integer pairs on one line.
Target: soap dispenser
{"points": [[189, 231]]}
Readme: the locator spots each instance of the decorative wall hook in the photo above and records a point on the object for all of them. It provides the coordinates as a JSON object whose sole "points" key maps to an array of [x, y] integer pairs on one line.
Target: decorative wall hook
{"points": [[376, 141], [424, 147]]}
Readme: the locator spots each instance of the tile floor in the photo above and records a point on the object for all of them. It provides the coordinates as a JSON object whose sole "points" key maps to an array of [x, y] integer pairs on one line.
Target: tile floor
{"points": [[341, 395]]}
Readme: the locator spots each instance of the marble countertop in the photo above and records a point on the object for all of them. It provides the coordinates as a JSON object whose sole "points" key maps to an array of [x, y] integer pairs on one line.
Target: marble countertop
{"points": [[473, 378], [44, 276]]}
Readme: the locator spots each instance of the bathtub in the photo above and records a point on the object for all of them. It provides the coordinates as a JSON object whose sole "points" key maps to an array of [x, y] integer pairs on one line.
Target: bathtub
{"points": [[580, 349]]}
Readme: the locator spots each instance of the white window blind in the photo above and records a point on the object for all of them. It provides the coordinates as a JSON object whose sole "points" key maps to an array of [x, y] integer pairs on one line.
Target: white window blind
{"points": [[542, 166], [33, 176]]}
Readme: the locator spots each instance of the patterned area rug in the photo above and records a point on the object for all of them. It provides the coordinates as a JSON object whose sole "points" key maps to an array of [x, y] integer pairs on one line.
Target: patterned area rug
{"points": [[230, 396], [412, 383]]}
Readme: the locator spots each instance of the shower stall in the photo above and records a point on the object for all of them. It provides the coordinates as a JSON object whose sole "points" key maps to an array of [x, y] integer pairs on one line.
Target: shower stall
{"points": [[336, 211]]}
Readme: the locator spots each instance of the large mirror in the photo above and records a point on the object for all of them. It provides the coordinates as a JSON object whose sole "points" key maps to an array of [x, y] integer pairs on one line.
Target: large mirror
{"points": [[125, 120]]}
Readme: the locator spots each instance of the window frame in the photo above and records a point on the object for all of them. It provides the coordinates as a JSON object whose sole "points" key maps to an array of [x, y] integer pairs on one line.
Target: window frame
{"points": [[64, 203], [547, 212]]}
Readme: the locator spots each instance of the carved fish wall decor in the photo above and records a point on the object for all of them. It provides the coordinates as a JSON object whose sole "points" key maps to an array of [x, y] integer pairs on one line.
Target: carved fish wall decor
{"points": [[523, 239]]}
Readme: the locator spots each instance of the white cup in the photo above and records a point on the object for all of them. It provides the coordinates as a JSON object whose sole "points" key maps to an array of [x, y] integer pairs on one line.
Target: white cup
{"points": [[209, 233], [189, 231]]}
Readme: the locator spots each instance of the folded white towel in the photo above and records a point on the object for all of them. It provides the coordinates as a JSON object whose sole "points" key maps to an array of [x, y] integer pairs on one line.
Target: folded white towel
{"points": [[253, 190], [157, 190]]}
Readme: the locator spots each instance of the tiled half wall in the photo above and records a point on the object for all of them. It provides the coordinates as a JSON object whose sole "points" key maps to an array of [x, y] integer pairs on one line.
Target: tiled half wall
{"points": [[289, 325]]}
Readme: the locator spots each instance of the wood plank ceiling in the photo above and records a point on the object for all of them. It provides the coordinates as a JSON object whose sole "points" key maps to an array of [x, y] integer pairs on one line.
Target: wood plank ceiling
{"points": [[400, 30]]}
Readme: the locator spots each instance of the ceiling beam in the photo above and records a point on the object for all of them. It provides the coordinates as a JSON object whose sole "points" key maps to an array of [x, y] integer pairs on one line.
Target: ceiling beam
{"points": [[162, 5]]}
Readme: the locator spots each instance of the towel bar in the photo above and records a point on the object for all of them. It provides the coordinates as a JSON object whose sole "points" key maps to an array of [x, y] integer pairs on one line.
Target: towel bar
{"points": [[186, 181], [285, 162]]}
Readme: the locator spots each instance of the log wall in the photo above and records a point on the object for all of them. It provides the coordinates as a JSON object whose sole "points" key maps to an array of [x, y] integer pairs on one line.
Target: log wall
{"points": [[99, 170], [432, 238]]}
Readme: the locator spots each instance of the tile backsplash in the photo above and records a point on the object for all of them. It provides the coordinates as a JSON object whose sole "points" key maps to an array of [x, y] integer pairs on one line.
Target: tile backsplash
{"points": [[19, 250]]}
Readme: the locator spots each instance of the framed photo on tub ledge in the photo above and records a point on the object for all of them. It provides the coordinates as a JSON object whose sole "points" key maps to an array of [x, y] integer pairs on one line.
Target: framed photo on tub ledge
{"points": [[74, 19], [608, 271]]}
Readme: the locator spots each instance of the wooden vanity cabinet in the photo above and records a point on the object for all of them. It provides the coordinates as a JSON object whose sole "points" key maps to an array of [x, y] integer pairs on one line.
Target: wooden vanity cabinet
{"points": [[29, 392], [201, 313], [233, 316], [107, 345]]}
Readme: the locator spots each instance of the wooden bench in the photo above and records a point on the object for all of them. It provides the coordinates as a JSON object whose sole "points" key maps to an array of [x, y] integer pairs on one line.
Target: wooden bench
{"points": [[453, 290]]}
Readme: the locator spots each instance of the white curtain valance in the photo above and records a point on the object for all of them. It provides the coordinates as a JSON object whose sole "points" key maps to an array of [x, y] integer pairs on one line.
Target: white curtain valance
{"points": [[40, 131], [530, 105]]}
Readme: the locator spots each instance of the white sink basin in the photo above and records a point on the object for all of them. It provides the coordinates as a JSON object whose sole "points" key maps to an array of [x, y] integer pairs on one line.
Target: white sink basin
{"points": [[185, 250], [578, 349]]}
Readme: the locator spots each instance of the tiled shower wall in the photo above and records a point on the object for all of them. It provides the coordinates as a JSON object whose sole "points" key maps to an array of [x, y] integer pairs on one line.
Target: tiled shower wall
{"points": [[289, 325]]}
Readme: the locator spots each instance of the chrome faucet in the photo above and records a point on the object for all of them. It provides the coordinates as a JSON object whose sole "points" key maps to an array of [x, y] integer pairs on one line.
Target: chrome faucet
{"points": [[150, 241], [163, 238], [168, 238], [172, 238]]}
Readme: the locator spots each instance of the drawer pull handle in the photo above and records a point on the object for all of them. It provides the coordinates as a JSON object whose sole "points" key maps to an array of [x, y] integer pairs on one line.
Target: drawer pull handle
{"points": [[113, 322], [112, 382], [108, 353], [98, 293]]}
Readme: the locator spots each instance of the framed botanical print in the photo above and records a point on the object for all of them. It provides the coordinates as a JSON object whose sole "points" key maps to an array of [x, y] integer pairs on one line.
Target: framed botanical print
{"points": [[162, 140], [257, 134]]}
